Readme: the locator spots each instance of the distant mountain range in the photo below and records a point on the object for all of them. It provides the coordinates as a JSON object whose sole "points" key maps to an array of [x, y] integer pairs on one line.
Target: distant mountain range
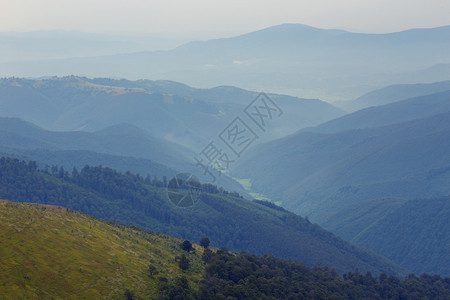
{"points": [[57, 44], [357, 173], [292, 59]]}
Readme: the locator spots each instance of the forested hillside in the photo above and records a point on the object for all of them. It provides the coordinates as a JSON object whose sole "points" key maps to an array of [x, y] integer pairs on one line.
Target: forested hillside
{"points": [[416, 234], [245, 276], [226, 218]]}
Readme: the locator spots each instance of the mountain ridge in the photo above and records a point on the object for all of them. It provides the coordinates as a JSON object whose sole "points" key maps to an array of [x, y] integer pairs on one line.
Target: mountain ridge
{"points": [[397, 112], [333, 70], [392, 94]]}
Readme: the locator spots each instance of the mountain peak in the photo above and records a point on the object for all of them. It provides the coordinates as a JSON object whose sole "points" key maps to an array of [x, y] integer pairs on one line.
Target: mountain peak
{"points": [[291, 31], [124, 128]]}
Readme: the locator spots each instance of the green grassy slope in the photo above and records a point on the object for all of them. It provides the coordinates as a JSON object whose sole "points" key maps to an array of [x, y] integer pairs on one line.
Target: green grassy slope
{"points": [[49, 251]]}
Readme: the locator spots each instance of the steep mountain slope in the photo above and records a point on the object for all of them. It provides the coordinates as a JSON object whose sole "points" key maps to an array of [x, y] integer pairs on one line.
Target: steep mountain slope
{"points": [[402, 111], [351, 220], [394, 93], [53, 252], [415, 235], [350, 180], [225, 218], [167, 110], [289, 58]]}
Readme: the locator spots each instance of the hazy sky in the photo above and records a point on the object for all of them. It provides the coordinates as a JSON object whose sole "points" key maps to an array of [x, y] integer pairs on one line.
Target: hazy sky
{"points": [[215, 18]]}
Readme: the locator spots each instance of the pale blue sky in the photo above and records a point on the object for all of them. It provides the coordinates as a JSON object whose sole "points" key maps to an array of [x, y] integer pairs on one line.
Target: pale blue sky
{"points": [[217, 18]]}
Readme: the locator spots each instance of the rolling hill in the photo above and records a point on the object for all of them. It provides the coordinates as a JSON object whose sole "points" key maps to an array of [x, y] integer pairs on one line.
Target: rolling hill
{"points": [[122, 140]]}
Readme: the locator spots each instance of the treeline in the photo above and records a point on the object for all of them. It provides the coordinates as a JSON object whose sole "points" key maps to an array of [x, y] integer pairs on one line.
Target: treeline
{"points": [[245, 276], [93, 171], [25, 182]]}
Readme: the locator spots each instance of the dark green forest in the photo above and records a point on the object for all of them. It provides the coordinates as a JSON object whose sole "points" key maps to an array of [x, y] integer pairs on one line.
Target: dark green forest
{"points": [[245, 276]]}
